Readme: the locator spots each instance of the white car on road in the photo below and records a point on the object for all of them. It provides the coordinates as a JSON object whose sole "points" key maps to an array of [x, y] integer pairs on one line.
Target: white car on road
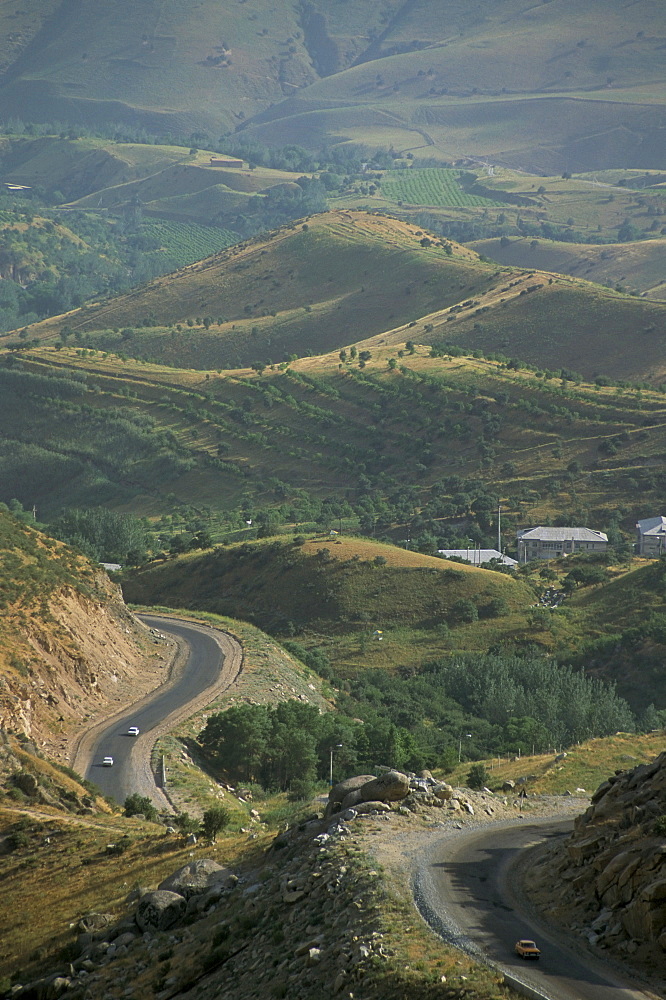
{"points": [[133, 731], [107, 762]]}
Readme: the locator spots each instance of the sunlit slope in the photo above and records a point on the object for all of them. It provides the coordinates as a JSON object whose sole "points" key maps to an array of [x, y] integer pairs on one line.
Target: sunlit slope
{"points": [[339, 586], [548, 87], [635, 266], [78, 167], [345, 278], [332, 281], [81, 429]]}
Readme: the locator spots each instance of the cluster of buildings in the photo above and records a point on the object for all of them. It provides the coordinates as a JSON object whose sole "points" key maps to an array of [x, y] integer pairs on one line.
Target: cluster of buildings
{"points": [[553, 543]]}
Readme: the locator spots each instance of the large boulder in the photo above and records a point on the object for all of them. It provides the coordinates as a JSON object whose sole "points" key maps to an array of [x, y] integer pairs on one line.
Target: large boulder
{"points": [[389, 787], [339, 792], [196, 877], [160, 910]]}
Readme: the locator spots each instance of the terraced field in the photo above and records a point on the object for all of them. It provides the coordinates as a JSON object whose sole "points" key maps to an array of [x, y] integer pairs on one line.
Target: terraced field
{"points": [[430, 186], [186, 243]]}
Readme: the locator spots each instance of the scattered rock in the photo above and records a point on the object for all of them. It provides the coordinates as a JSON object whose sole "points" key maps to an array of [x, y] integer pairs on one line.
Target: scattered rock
{"points": [[196, 877], [160, 910]]}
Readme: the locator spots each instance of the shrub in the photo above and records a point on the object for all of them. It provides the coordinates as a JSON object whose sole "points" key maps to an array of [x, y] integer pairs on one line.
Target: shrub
{"points": [[301, 790], [137, 805], [215, 820], [186, 824], [659, 826], [497, 607], [465, 610], [477, 777]]}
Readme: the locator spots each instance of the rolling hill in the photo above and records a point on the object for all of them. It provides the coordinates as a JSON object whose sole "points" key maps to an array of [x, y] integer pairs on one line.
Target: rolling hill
{"points": [[346, 278], [324, 437], [338, 591], [548, 88], [635, 266]]}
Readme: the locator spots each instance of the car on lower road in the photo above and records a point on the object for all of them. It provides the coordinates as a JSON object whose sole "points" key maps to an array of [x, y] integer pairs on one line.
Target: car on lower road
{"points": [[107, 762], [526, 949], [133, 731]]}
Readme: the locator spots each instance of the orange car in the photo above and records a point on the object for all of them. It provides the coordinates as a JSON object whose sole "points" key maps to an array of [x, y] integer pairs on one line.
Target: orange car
{"points": [[526, 949]]}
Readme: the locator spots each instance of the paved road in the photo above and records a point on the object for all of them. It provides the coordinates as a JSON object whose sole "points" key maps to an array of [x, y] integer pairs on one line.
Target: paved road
{"points": [[465, 892], [213, 662]]}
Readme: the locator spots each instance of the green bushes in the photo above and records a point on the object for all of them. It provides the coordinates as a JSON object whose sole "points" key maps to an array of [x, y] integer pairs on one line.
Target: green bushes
{"points": [[477, 777], [140, 805]]}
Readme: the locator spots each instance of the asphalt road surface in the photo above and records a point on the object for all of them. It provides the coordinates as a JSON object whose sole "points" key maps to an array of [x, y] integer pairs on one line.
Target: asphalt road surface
{"points": [[464, 890], [206, 663]]}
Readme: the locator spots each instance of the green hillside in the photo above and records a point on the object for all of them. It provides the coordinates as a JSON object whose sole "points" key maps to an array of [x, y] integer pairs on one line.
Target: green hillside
{"points": [[339, 591], [547, 89], [437, 437], [633, 266], [335, 280], [351, 277]]}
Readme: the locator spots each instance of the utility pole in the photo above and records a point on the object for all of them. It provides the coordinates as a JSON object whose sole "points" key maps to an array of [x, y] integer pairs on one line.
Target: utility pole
{"points": [[499, 528], [330, 772]]}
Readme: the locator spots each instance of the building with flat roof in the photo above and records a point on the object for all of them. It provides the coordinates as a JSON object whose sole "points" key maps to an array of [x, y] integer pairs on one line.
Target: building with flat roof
{"points": [[552, 543]]}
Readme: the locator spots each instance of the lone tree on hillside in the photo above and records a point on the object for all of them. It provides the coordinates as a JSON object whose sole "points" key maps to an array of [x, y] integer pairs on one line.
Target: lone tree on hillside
{"points": [[215, 820], [477, 777]]}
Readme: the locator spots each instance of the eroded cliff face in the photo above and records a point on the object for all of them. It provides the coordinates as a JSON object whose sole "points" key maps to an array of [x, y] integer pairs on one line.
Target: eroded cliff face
{"points": [[70, 651], [610, 875]]}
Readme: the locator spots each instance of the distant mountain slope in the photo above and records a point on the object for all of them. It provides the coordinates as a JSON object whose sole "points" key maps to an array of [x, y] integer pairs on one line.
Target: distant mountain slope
{"points": [[636, 266], [546, 88], [348, 277]]}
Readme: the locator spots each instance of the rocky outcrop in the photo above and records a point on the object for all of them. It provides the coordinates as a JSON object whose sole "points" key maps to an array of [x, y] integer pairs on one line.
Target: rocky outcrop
{"points": [[612, 870], [160, 910], [196, 878], [391, 786]]}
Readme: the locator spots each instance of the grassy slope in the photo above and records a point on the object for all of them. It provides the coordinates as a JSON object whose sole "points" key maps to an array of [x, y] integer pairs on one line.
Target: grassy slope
{"points": [[386, 423], [530, 86], [350, 276], [526, 87], [342, 279], [332, 591], [585, 766], [333, 595], [636, 266]]}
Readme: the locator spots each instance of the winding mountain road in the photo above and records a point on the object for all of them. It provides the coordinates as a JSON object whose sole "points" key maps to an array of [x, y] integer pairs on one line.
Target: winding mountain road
{"points": [[210, 661], [466, 891]]}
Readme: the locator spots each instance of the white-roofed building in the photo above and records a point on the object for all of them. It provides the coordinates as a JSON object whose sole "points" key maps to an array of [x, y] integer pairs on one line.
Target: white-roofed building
{"points": [[478, 556], [651, 537], [552, 543]]}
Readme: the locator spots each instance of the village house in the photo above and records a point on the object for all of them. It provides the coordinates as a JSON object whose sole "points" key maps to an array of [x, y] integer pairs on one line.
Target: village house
{"points": [[552, 543], [225, 161], [651, 537], [478, 557]]}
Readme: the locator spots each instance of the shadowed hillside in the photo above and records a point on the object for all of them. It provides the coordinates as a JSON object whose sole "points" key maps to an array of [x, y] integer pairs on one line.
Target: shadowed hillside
{"points": [[345, 277], [549, 88], [636, 266]]}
